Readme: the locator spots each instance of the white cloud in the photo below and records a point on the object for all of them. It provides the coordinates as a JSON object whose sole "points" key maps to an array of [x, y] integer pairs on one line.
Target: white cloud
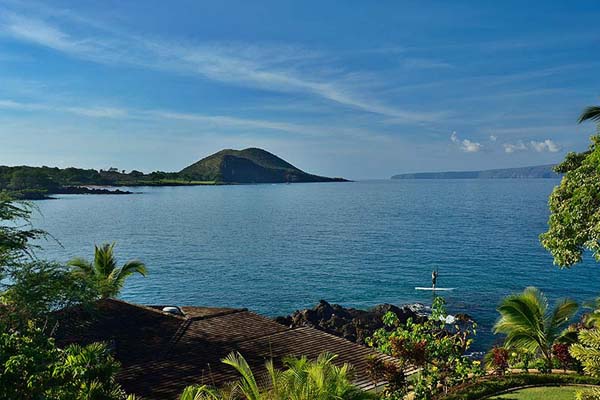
{"points": [[512, 148], [493, 138], [545, 146], [454, 137], [466, 145]]}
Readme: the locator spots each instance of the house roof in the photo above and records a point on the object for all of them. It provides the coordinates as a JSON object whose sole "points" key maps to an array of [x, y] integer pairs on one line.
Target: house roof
{"points": [[161, 353]]}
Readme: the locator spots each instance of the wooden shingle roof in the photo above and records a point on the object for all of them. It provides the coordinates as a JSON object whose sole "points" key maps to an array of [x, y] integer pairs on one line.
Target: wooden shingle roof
{"points": [[162, 353]]}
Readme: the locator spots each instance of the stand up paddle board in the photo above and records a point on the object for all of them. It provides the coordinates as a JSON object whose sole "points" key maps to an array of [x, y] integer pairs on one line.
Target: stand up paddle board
{"points": [[437, 289]]}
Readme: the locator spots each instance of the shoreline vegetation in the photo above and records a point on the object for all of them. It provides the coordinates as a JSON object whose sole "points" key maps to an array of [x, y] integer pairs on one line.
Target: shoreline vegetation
{"points": [[227, 167]]}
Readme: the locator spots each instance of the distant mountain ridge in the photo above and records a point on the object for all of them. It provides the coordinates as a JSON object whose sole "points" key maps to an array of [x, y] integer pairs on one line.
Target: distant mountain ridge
{"points": [[536, 171], [252, 165]]}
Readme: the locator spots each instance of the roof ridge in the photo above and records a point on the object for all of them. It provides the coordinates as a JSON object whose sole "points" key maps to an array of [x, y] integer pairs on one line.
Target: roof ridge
{"points": [[143, 307], [219, 314]]}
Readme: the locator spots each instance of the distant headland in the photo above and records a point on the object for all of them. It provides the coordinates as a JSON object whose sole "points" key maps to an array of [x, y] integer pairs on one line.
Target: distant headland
{"points": [[537, 171], [225, 167]]}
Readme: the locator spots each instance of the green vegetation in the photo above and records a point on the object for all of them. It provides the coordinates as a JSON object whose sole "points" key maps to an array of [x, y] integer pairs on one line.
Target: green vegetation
{"points": [[32, 367], [434, 346], [540, 393], [302, 379], [587, 351], [248, 166], [575, 204], [103, 271], [15, 232], [530, 325], [225, 167]]}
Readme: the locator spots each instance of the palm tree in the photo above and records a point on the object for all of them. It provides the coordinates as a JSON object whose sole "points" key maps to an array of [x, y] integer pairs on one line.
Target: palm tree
{"points": [[104, 273], [529, 324], [302, 379], [591, 113]]}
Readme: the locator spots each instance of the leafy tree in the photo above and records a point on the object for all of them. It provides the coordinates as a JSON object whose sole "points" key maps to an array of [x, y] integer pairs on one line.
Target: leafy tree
{"points": [[35, 289], [103, 271], [529, 324], [32, 367], [16, 232], [574, 223]]}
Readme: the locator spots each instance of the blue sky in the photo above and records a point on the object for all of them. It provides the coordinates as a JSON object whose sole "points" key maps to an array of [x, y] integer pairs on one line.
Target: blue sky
{"points": [[351, 88]]}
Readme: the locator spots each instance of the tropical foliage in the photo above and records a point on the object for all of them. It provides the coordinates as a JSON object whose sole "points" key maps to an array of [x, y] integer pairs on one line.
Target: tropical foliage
{"points": [[575, 204], [587, 351], [591, 113], [437, 347], [16, 232], [32, 367], [36, 288], [302, 379], [529, 323], [592, 319], [104, 272]]}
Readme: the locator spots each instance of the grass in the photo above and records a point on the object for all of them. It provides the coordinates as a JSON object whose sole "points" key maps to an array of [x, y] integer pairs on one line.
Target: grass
{"points": [[541, 393], [491, 385]]}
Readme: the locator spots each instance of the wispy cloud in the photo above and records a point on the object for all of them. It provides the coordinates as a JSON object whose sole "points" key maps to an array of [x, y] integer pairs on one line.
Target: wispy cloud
{"points": [[276, 69], [466, 145], [215, 122], [94, 112], [424, 63]]}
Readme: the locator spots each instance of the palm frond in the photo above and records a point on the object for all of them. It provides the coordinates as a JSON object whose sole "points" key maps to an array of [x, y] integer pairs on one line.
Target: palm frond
{"points": [[247, 383], [561, 315], [591, 113], [199, 392], [104, 259], [81, 266], [132, 267]]}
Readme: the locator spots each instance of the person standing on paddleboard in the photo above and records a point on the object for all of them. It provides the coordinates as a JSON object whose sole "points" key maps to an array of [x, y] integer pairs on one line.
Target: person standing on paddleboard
{"points": [[434, 275]]}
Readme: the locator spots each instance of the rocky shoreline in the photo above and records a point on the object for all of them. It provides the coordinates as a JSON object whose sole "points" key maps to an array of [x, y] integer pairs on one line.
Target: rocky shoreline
{"points": [[350, 323]]}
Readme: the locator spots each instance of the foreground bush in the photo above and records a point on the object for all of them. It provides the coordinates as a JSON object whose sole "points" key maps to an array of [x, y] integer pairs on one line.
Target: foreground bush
{"points": [[492, 385], [32, 367]]}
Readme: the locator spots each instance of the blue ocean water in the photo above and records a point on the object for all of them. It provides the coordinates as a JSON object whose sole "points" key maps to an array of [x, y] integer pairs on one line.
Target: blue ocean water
{"points": [[278, 248]]}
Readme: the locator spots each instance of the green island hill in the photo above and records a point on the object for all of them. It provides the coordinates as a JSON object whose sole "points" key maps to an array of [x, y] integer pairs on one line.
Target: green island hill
{"points": [[225, 167]]}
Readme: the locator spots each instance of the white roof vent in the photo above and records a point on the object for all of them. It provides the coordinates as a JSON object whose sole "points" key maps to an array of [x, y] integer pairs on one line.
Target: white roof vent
{"points": [[172, 310]]}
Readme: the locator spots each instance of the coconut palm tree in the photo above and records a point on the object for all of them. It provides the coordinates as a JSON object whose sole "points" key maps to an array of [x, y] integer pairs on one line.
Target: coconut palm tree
{"points": [[591, 113], [529, 324], [103, 271]]}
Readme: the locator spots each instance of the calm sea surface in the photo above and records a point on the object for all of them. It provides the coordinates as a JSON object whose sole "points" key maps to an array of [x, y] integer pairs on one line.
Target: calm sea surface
{"points": [[278, 248]]}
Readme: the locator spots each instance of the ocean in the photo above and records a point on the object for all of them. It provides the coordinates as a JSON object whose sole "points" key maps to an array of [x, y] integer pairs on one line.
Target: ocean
{"points": [[278, 248]]}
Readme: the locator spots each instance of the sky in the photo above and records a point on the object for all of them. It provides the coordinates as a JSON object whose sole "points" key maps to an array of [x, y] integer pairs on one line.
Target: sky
{"points": [[359, 89]]}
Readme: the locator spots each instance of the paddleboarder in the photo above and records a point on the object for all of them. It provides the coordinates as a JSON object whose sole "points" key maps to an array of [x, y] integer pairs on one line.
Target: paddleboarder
{"points": [[434, 275]]}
